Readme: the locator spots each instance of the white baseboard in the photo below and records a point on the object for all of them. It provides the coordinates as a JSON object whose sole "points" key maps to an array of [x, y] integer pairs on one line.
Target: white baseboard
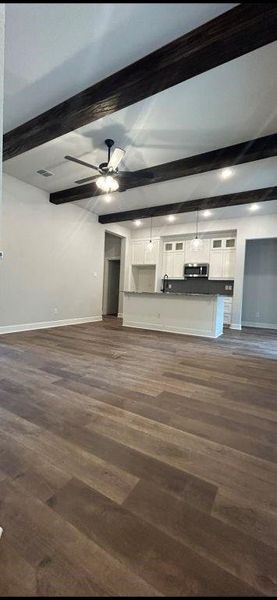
{"points": [[182, 331], [261, 325], [47, 324], [235, 326]]}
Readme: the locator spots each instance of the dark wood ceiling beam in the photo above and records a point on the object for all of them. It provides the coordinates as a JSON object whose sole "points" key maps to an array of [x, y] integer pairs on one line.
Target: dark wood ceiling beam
{"points": [[238, 31], [262, 195], [251, 150]]}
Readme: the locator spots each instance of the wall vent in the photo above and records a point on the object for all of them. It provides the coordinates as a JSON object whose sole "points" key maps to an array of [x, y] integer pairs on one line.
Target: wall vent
{"points": [[45, 173]]}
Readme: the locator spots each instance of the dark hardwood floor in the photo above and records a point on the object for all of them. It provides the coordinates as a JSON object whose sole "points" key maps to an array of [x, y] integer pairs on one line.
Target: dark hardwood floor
{"points": [[137, 463]]}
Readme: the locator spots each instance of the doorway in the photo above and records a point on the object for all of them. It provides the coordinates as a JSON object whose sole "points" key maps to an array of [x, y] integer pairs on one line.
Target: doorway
{"points": [[113, 287], [112, 275], [259, 307]]}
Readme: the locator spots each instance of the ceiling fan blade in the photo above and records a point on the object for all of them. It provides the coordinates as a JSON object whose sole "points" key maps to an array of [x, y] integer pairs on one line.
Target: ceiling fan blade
{"points": [[81, 162], [87, 179], [116, 158]]}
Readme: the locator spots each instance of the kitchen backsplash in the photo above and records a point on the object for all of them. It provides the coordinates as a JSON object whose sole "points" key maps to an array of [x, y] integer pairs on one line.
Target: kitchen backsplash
{"points": [[201, 286]]}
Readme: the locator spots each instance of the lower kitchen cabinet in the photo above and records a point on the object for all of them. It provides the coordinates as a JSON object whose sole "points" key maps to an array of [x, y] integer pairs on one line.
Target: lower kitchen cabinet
{"points": [[228, 300]]}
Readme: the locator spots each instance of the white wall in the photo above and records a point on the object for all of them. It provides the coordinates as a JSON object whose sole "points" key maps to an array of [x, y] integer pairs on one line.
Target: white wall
{"points": [[259, 306], [252, 227], [2, 33], [53, 260]]}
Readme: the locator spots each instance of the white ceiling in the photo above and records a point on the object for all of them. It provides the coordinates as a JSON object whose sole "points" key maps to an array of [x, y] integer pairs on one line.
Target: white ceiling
{"points": [[231, 212], [254, 175], [227, 105], [55, 50]]}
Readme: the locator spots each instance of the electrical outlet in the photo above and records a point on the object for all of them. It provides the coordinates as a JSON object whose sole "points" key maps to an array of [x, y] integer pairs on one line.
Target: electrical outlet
{"points": [[56, 310], [257, 314], [169, 286]]}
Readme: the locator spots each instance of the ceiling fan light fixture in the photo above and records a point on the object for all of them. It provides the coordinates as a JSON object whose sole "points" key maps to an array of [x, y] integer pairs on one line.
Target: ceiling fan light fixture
{"points": [[107, 183]]}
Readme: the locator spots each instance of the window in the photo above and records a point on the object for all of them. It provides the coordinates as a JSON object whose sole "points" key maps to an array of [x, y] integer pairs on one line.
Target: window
{"points": [[168, 246], [217, 243], [230, 243], [179, 246]]}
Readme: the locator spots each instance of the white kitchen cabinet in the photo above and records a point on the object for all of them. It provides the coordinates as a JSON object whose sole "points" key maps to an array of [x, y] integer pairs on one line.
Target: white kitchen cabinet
{"points": [[142, 255], [178, 246], [178, 264], [199, 255], [138, 248], [222, 259], [229, 243], [227, 310], [216, 265], [151, 256], [228, 264], [173, 259], [223, 243], [168, 264], [173, 264]]}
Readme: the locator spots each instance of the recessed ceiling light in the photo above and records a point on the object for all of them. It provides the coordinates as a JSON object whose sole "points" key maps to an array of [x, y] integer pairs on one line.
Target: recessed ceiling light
{"points": [[137, 222], [207, 213], [226, 173], [171, 218], [254, 207]]}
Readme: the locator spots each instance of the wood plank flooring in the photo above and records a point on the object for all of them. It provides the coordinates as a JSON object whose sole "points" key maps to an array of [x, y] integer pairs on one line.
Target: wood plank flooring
{"points": [[138, 463]]}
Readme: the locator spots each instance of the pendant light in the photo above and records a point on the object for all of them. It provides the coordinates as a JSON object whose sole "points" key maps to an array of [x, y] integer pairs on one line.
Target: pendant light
{"points": [[196, 242], [150, 243]]}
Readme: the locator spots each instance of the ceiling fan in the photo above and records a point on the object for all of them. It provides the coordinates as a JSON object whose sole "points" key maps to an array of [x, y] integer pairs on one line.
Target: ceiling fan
{"points": [[108, 173]]}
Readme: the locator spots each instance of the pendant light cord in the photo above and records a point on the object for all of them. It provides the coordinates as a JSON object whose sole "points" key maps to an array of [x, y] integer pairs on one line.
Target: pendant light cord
{"points": [[196, 235]]}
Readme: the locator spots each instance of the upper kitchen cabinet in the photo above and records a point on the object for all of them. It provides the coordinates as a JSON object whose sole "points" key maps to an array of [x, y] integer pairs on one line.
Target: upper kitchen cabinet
{"points": [[174, 259], [137, 253], [151, 255], [216, 265], [223, 243], [173, 264], [228, 266], [143, 255], [222, 258], [199, 255]]}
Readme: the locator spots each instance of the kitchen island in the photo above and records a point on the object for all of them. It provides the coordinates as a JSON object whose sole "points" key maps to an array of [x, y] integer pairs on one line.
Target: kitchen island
{"points": [[185, 313]]}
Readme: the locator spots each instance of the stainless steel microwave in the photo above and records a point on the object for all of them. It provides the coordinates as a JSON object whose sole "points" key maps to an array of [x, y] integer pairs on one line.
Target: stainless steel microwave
{"points": [[196, 270]]}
